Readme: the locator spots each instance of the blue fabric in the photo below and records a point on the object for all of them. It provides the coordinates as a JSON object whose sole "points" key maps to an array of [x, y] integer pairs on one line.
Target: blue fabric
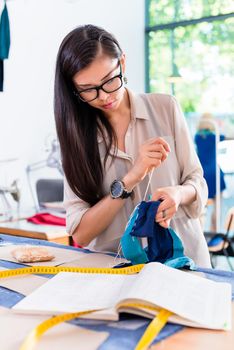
{"points": [[131, 246], [4, 34], [164, 245], [218, 276], [206, 151], [133, 251], [127, 332], [160, 243], [217, 239]]}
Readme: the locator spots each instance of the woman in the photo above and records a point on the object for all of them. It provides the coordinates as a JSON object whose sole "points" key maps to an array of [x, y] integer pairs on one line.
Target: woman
{"points": [[112, 139]]}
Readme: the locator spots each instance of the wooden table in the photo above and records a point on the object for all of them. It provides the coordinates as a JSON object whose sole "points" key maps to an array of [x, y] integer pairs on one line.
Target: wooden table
{"points": [[198, 339], [23, 228]]}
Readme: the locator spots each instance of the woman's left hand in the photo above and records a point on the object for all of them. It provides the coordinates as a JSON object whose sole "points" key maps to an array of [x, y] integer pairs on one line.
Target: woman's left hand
{"points": [[170, 200]]}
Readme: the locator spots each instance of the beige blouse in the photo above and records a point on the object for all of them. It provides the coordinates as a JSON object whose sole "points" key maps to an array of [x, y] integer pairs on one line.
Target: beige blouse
{"points": [[152, 115]]}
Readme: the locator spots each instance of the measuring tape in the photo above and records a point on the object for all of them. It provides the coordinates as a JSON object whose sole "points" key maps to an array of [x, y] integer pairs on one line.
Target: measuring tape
{"points": [[33, 337], [53, 270]]}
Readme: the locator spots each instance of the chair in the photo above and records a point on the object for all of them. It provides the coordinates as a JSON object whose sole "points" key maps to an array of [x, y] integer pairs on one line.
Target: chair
{"points": [[49, 191], [221, 243]]}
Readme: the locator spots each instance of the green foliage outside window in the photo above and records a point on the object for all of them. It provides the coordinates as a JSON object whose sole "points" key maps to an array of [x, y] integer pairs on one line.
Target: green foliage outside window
{"points": [[167, 11], [203, 53]]}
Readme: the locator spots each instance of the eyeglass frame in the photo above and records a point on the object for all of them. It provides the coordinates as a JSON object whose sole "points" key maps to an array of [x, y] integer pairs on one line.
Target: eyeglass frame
{"points": [[100, 87]]}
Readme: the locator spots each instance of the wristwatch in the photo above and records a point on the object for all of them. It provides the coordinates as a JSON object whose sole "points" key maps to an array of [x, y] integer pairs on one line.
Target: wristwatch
{"points": [[118, 190]]}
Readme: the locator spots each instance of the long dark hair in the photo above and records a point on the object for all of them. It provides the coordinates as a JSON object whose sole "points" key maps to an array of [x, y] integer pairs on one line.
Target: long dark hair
{"points": [[78, 123]]}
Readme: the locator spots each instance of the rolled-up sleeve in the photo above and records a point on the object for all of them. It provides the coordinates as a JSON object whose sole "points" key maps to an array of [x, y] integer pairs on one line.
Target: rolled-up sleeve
{"points": [[190, 167], [75, 208]]}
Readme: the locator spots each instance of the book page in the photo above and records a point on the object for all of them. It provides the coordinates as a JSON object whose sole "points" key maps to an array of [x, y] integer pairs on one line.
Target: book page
{"points": [[73, 292], [195, 298], [204, 302]]}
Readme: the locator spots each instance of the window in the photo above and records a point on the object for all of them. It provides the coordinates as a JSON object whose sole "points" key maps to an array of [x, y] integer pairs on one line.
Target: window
{"points": [[193, 40]]}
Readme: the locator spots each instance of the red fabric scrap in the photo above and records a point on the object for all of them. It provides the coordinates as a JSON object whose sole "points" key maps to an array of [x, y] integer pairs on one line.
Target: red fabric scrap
{"points": [[47, 219]]}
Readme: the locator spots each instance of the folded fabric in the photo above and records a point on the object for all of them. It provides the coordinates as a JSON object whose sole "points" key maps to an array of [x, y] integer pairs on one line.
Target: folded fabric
{"points": [[4, 34], [160, 242], [47, 219], [164, 245], [4, 42]]}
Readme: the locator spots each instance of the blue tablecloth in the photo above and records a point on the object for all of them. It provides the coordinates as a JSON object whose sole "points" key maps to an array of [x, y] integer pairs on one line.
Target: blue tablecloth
{"points": [[123, 335]]}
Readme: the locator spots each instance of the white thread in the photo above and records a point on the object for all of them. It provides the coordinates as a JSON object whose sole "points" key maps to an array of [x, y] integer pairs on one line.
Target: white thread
{"points": [[117, 256], [147, 187]]}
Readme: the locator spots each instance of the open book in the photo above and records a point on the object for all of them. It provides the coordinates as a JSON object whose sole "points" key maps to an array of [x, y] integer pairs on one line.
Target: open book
{"points": [[194, 300]]}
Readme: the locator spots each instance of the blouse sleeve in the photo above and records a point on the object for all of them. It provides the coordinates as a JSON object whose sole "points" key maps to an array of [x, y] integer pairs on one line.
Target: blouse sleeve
{"points": [[75, 208], [191, 172]]}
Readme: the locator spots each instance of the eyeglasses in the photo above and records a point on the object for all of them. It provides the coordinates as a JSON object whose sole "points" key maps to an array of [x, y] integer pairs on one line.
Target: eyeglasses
{"points": [[110, 85]]}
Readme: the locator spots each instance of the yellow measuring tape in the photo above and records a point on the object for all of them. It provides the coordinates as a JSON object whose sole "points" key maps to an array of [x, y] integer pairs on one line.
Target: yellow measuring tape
{"points": [[31, 340], [53, 270]]}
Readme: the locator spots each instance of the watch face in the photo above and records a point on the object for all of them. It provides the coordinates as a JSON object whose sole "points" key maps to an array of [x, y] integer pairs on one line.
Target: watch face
{"points": [[116, 189]]}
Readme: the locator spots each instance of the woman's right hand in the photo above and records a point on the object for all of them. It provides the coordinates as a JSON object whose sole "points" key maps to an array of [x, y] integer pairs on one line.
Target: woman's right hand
{"points": [[150, 155]]}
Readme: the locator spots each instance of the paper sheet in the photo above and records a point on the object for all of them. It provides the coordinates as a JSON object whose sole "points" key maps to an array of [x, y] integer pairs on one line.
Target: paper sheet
{"points": [[62, 255], [96, 260], [14, 328], [24, 284], [74, 292]]}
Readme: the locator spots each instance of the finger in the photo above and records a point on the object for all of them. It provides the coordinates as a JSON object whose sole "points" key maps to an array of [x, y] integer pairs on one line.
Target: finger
{"points": [[164, 197], [164, 214], [165, 223], [158, 140], [161, 141], [157, 155], [158, 149], [161, 150], [159, 219]]}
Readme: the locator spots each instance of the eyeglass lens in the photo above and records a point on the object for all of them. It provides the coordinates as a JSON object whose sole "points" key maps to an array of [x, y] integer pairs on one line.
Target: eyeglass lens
{"points": [[109, 86]]}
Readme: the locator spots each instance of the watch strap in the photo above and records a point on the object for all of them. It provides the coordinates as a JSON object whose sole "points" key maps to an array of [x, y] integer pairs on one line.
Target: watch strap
{"points": [[125, 194]]}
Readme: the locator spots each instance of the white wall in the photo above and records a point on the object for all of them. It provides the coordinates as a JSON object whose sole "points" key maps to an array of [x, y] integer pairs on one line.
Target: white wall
{"points": [[26, 105]]}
